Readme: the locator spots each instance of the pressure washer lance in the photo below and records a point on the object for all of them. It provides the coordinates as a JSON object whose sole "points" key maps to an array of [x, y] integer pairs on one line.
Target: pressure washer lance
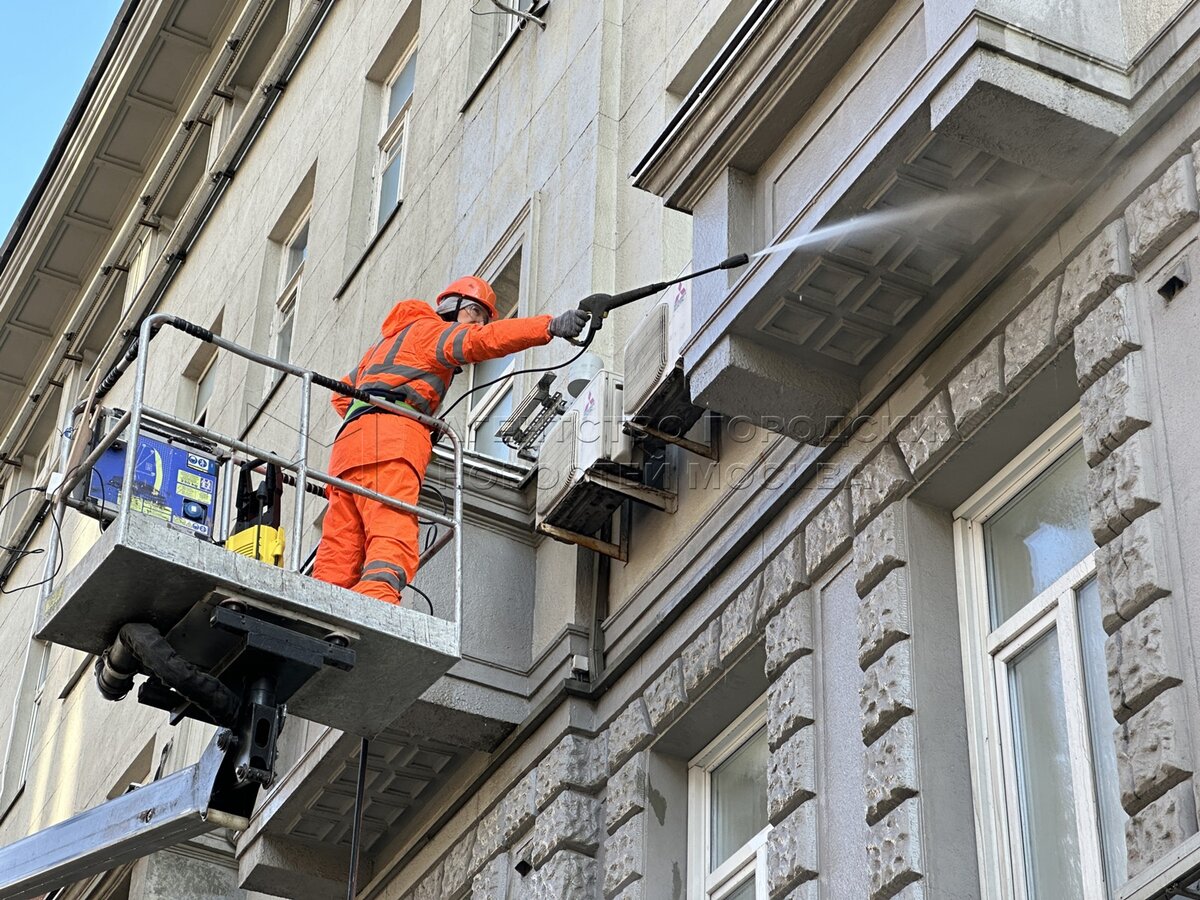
{"points": [[597, 306]]}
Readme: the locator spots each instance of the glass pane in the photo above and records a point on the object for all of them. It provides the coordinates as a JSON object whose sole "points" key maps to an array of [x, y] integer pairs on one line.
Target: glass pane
{"points": [[489, 370], [389, 189], [402, 88], [1038, 536], [204, 389], [1043, 763], [739, 798], [485, 433], [1101, 725], [297, 253], [744, 891], [283, 342]]}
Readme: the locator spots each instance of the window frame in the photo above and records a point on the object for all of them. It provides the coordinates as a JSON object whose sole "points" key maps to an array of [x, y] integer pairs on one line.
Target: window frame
{"points": [[479, 411], [749, 859], [987, 654], [287, 300], [200, 415], [393, 137]]}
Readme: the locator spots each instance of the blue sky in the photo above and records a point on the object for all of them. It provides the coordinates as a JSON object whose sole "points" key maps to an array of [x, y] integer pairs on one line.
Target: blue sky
{"points": [[47, 48]]}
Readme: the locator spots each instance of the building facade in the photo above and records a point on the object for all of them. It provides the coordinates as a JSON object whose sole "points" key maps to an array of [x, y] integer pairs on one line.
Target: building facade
{"points": [[914, 621]]}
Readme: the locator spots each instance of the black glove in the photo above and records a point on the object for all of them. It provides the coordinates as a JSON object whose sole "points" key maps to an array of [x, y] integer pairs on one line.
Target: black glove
{"points": [[568, 324]]}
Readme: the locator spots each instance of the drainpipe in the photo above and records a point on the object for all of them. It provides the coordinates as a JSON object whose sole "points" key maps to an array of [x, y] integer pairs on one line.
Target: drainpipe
{"points": [[85, 313], [187, 229]]}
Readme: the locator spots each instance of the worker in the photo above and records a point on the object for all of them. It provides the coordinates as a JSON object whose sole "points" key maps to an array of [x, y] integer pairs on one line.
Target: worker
{"points": [[368, 546]]}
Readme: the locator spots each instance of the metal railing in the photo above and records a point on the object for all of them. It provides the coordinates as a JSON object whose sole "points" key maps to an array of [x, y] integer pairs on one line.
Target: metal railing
{"points": [[139, 412]]}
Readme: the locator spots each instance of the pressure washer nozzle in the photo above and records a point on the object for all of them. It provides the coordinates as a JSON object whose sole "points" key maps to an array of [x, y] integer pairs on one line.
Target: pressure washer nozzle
{"points": [[734, 262]]}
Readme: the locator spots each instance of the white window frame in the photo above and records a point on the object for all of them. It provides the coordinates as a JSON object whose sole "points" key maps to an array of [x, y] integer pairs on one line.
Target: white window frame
{"points": [[199, 412], [751, 858], [393, 139], [479, 410], [987, 652], [289, 290]]}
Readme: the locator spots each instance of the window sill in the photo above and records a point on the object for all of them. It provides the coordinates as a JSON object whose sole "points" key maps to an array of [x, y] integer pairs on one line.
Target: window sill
{"points": [[382, 230], [539, 9]]}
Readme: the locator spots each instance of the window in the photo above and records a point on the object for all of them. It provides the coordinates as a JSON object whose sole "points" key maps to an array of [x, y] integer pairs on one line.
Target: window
{"points": [[393, 145], [489, 409], [727, 812], [491, 30], [205, 382], [1043, 757], [295, 252]]}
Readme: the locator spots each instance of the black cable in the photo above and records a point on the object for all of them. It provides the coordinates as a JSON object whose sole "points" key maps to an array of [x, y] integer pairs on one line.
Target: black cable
{"points": [[562, 365], [423, 594], [356, 830]]}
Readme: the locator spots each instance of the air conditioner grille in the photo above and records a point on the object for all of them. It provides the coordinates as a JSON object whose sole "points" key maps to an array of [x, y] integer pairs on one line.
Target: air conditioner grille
{"points": [[558, 462], [646, 358]]}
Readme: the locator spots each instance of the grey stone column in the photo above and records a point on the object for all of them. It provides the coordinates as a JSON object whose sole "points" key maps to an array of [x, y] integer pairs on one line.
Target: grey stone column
{"points": [[918, 791], [1130, 500], [200, 869]]}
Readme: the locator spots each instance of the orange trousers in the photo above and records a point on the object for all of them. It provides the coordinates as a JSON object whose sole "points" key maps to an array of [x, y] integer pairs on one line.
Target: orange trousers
{"points": [[368, 546]]}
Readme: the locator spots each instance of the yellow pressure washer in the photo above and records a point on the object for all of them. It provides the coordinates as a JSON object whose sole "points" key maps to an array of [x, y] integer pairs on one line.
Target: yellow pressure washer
{"points": [[256, 533]]}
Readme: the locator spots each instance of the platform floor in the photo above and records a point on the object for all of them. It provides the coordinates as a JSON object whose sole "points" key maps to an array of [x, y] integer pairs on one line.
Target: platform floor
{"points": [[157, 574]]}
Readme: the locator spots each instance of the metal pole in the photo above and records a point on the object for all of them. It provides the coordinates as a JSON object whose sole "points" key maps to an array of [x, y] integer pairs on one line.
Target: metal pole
{"points": [[356, 833], [125, 497], [295, 559], [458, 526]]}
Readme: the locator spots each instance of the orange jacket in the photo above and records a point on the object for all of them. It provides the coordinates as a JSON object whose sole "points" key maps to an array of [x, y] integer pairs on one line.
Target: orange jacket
{"points": [[414, 362]]}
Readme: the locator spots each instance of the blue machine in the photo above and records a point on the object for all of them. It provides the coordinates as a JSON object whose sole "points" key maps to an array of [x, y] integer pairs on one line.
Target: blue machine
{"points": [[174, 481]]}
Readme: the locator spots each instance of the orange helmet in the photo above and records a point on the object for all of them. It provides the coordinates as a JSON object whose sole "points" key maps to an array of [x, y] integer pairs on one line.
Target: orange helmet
{"points": [[472, 288]]}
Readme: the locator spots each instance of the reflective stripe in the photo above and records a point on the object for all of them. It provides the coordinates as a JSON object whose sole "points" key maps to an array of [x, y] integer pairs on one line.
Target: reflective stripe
{"points": [[459, 339], [409, 372], [388, 573], [440, 347]]}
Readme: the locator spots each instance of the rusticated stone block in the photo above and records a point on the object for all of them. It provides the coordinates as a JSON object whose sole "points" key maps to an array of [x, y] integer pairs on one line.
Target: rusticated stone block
{"points": [[789, 634], [1114, 408], [1162, 212], [624, 855], [827, 535], [1122, 487], [790, 702], [1159, 828], [458, 869], [882, 479], [629, 732], [928, 435], [784, 576], [570, 822], [566, 876], [702, 660], [1132, 570], [626, 792], [1092, 275], [507, 819], [978, 389], [894, 852], [636, 890], [1106, 336], [1029, 337], [886, 696], [891, 770], [883, 618], [1152, 752], [792, 851], [1138, 667], [430, 887], [881, 547], [738, 620], [575, 762], [665, 697], [791, 775], [492, 881]]}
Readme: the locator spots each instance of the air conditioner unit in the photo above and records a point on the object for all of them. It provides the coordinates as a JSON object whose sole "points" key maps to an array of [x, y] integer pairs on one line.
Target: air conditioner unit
{"points": [[656, 391], [587, 439]]}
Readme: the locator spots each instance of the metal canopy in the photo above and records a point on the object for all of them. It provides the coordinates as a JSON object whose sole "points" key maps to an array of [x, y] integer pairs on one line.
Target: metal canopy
{"points": [[150, 572]]}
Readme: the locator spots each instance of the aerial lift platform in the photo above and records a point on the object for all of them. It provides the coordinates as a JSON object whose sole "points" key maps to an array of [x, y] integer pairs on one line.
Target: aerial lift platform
{"points": [[223, 638]]}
